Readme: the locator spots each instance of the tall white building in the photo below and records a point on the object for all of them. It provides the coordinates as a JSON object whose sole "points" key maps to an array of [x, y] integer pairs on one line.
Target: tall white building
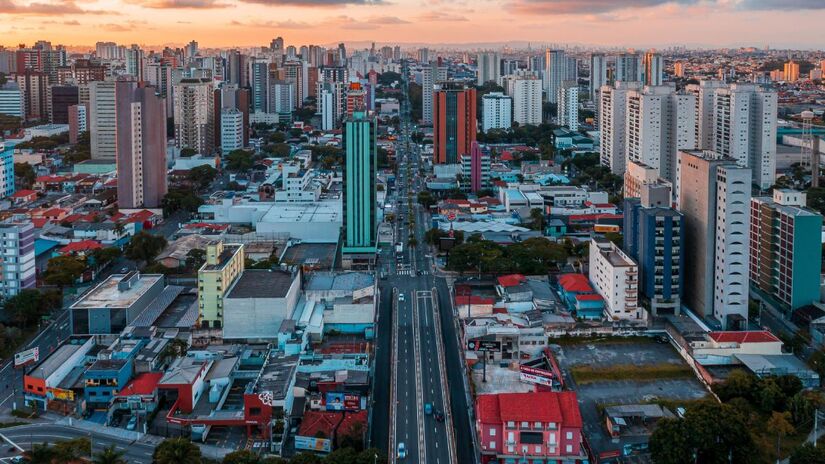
{"points": [[282, 97], [431, 74], [744, 128], [231, 130], [612, 130], [568, 105], [658, 123], [496, 112], [103, 120], [598, 74], [556, 72], [704, 92], [525, 90], [135, 62], [489, 68], [194, 113], [331, 104], [11, 100], [615, 276], [17, 248], [628, 68], [714, 197], [652, 68]]}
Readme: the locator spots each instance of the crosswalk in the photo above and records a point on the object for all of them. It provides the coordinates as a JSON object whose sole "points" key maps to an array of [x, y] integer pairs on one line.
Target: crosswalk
{"points": [[409, 272]]}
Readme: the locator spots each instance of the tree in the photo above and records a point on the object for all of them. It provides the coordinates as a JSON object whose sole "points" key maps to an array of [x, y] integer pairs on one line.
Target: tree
{"points": [[426, 199], [278, 150], [29, 305], [180, 200], [239, 160], [177, 451], [277, 137], [71, 451], [187, 152], [109, 455], [64, 270], [738, 384], [145, 246], [24, 175], [40, 453], [670, 442], [305, 458], [537, 219], [808, 454], [102, 256], [780, 424], [195, 258], [202, 176], [241, 457]]}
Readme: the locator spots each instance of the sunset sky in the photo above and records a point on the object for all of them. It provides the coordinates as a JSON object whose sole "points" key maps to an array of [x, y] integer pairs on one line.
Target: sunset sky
{"points": [[624, 23]]}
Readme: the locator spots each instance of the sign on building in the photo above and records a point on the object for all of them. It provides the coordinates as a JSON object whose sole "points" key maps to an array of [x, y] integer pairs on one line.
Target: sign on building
{"points": [[484, 345], [323, 445], [535, 376], [343, 402], [27, 356]]}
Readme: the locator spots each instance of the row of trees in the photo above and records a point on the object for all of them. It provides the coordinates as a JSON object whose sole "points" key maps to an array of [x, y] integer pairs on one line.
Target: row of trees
{"points": [[533, 256]]}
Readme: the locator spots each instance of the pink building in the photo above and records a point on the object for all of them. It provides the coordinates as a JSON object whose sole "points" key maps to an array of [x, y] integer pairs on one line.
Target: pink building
{"points": [[536, 427]]}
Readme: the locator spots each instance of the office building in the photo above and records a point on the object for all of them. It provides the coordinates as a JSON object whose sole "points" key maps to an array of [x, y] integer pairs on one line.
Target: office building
{"points": [[103, 120], [259, 85], [80, 72], [615, 276], [282, 97], [652, 68], [17, 270], [705, 97], [78, 121], [194, 115], [612, 124], [224, 264], [295, 73], [744, 128], [423, 55], [11, 100], [163, 76], [232, 130], [785, 249], [331, 104], [356, 99], [236, 68], [35, 88], [628, 68], [488, 68], [496, 111], [791, 71], [454, 122], [598, 74], [568, 105], [135, 62], [652, 235], [475, 167], [230, 96], [63, 96], [555, 73], [115, 303], [141, 147], [659, 122], [431, 74], [714, 193], [525, 90], [360, 204]]}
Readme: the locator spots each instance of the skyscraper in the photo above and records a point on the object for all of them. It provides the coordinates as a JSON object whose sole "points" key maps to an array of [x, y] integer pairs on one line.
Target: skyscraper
{"points": [[294, 73], [525, 90], [135, 62], [652, 67], [489, 68], [431, 74], [568, 105], [11, 100], [63, 96], [103, 120], [360, 206], [259, 84], [194, 112], [714, 193], [17, 270], [556, 72], [598, 74], [496, 111], [704, 92], [628, 68], [232, 130], [35, 88], [454, 122], [476, 167], [141, 146], [791, 71], [612, 120]]}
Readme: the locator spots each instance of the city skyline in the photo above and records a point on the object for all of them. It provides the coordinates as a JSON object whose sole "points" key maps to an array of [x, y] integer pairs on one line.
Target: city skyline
{"points": [[626, 23]]}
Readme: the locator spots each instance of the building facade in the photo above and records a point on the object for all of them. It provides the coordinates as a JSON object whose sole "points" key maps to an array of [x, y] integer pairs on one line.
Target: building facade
{"points": [[475, 167], [496, 112], [568, 105], [431, 74], [194, 111], [17, 270], [488, 68], [103, 120], [224, 263], [360, 239], [526, 94], [615, 276], [232, 130], [454, 123], [612, 120]]}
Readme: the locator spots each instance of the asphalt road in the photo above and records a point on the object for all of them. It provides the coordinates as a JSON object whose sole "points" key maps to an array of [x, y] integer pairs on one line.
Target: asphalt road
{"points": [[24, 436]]}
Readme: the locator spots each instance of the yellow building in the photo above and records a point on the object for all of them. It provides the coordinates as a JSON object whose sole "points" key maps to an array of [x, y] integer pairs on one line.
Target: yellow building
{"points": [[791, 71], [224, 263]]}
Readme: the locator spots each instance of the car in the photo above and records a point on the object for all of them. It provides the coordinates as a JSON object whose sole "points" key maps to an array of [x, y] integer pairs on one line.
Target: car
{"points": [[132, 424], [400, 297], [17, 459], [439, 416], [428, 408], [402, 450], [124, 270], [662, 339]]}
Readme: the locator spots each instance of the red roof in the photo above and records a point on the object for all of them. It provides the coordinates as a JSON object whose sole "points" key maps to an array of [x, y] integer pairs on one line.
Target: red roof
{"points": [[593, 217], [589, 297], [83, 245], [575, 283], [753, 336], [472, 299], [511, 280], [53, 212], [319, 421], [558, 407], [23, 193], [349, 421], [40, 222], [143, 384], [140, 216], [206, 225]]}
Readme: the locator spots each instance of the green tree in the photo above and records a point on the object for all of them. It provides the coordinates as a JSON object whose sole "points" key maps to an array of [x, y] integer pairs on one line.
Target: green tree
{"points": [[145, 246], [109, 455], [177, 451], [239, 160], [64, 270], [738, 384], [102, 256], [241, 457], [202, 176], [24, 175], [180, 200], [770, 396], [780, 425], [808, 454], [537, 219], [29, 305], [277, 137], [278, 150], [670, 443], [40, 453], [305, 458], [71, 451], [187, 152], [425, 199]]}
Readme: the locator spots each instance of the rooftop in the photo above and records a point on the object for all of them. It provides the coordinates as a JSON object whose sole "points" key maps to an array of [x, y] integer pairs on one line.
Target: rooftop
{"points": [[262, 283], [109, 294], [558, 407], [754, 336]]}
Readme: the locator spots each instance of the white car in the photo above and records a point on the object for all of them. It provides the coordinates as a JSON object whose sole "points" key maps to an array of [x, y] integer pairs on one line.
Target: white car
{"points": [[400, 297]]}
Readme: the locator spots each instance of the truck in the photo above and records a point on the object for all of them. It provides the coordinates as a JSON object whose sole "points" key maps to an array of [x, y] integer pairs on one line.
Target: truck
{"points": [[399, 247]]}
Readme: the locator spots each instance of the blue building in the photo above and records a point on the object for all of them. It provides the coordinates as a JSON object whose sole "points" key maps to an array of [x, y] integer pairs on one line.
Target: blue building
{"points": [[360, 204], [652, 237], [6, 171], [110, 373]]}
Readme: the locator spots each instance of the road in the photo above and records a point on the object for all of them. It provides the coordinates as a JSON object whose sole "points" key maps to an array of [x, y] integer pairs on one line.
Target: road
{"points": [[24, 436], [418, 355]]}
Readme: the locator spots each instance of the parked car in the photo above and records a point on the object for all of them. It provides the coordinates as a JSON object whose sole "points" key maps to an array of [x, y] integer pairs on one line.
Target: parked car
{"points": [[132, 424], [402, 450]]}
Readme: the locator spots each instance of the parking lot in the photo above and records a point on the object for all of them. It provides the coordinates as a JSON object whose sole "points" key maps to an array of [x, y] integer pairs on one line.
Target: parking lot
{"points": [[628, 391]]}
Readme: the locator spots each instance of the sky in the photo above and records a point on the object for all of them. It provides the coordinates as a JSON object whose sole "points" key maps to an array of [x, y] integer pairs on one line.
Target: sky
{"points": [[224, 23]]}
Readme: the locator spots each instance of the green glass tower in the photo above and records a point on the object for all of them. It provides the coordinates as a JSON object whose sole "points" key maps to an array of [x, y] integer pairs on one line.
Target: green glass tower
{"points": [[360, 228]]}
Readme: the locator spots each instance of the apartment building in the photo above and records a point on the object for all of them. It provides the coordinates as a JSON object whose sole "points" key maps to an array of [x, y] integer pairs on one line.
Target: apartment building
{"points": [[615, 276]]}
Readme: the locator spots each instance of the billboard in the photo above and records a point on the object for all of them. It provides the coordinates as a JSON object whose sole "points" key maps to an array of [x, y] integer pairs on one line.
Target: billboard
{"points": [[27, 356], [337, 401], [59, 394], [323, 445], [536, 376], [484, 345]]}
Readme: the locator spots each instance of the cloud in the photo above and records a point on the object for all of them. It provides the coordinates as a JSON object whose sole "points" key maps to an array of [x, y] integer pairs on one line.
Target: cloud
{"points": [[587, 7], [315, 3], [436, 16], [373, 22], [58, 8], [387, 20], [125, 26], [788, 5], [288, 24], [180, 4]]}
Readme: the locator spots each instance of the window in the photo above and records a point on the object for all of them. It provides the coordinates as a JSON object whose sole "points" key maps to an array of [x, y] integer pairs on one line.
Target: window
{"points": [[492, 432], [569, 435], [537, 425], [568, 449], [538, 449], [492, 445], [254, 411]]}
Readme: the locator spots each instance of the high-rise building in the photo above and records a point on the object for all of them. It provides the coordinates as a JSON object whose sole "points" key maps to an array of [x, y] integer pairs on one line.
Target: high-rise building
{"points": [[230, 96], [360, 204], [423, 55], [568, 105], [163, 76], [294, 73], [191, 50], [35, 88], [135, 62], [103, 120], [704, 92], [232, 130], [555, 73], [259, 84], [652, 68], [108, 51], [525, 90], [282, 97], [396, 53], [63, 96], [224, 264], [653, 237], [454, 122], [141, 146], [612, 124], [431, 75], [356, 98], [80, 72], [659, 123], [744, 128], [78, 121], [331, 104], [714, 193], [785, 248], [489, 68], [236, 68], [194, 115], [628, 68], [496, 111], [475, 166], [12, 102], [17, 270], [791, 71], [598, 74], [679, 69], [615, 276]]}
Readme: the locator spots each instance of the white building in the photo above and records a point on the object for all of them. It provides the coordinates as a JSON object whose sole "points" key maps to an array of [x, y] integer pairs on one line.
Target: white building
{"points": [[194, 113], [628, 68], [17, 248], [258, 302], [598, 74], [489, 68], [652, 68], [612, 120], [11, 100], [297, 185], [282, 97], [231, 130], [497, 111], [102, 120], [704, 92], [431, 74], [526, 94], [555, 73], [568, 105], [615, 276]]}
